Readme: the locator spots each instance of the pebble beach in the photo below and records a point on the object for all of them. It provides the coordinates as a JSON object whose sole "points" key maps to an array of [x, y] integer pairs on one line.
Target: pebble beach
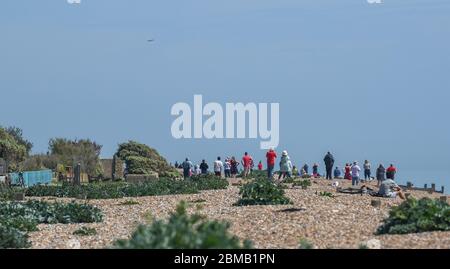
{"points": [[346, 221]]}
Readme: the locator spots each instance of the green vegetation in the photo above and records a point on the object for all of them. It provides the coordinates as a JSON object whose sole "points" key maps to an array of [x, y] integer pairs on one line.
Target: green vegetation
{"points": [[71, 152], [326, 194], [415, 216], [262, 192], [11, 149], [113, 190], [143, 160], [209, 182], [303, 183], [85, 231], [18, 218], [13, 238], [183, 231], [305, 244], [9, 193], [129, 202]]}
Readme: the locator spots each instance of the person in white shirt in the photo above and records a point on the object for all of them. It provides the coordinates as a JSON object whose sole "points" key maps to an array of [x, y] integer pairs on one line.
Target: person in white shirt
{"points": [[218, 167], [355, 173]]}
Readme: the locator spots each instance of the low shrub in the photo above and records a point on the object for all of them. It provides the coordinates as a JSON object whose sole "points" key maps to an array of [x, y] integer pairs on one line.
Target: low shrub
{"points": [[17, 218], [183, 231], [114, 190], [326, 194], [415, 216], [11, 237], [9, 193], [85, 231], [262, 192], [209, 182], [305, 244]]}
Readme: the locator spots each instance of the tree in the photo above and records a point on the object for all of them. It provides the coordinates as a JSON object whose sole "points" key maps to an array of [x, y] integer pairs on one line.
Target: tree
{"points": [[17, 133], [11, 150], [141, 159], [71, 152]]}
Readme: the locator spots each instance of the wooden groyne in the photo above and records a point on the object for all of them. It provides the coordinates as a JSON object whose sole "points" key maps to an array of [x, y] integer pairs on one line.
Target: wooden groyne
{"points": [[432, 189]]}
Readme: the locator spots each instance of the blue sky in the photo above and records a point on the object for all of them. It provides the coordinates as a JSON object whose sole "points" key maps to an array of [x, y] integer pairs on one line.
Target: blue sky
{"points": [[364, 81]]}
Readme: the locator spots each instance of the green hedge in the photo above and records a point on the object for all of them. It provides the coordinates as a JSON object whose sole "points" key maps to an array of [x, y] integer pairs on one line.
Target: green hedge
{"points": [[183, 231], [415, 216]]}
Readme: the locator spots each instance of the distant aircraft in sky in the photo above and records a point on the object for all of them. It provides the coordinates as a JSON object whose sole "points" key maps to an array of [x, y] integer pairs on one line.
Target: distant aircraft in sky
{"points": [[73, 2]]}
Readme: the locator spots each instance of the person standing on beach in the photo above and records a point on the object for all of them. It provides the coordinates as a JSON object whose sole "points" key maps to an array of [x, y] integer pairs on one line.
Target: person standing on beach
{"points": [[204, 167], [247, 161], [355, 174], [348, 171], [218, 167], [381, 172], [390, 172], [306, 168], [260, 166], [187, 167], [271, 156], [234, 167], [367, 172], [227, 167], [285, 166], [329, 162]]}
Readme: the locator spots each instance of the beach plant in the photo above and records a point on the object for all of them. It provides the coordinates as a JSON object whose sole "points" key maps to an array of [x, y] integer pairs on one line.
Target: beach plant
{"points": [[305, 244], [326, 194], [114, 190], [183, 231], [85, 231], [9, 193], [209, 182], [129, 202], [303, 183], [415, 216], [18, 218], [262, 192], [11, 237]]}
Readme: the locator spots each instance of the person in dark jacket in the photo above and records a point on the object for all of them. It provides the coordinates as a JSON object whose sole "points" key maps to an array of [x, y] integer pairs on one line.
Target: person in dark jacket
{"points": [[381, 172], [204, 167], [329, 162]]}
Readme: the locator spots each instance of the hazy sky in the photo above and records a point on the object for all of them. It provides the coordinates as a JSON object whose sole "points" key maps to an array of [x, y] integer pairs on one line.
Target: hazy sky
{"points": [[362, 80]]}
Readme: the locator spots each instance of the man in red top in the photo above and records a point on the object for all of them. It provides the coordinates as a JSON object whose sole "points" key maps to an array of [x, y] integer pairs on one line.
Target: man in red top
{"points": [[260, 166], [247, 161], [271, 155], [390, 172]]}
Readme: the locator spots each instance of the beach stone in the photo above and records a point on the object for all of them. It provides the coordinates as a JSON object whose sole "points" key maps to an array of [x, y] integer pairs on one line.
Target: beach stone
{"points": [[373, 244]]}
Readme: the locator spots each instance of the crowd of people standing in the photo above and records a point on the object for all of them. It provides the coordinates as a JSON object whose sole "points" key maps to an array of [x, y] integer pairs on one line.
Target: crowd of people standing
{"points": [[230, 168]]}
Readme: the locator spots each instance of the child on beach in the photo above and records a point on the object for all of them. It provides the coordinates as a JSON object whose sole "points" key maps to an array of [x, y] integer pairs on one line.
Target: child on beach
{"points": [[260, 166]]}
